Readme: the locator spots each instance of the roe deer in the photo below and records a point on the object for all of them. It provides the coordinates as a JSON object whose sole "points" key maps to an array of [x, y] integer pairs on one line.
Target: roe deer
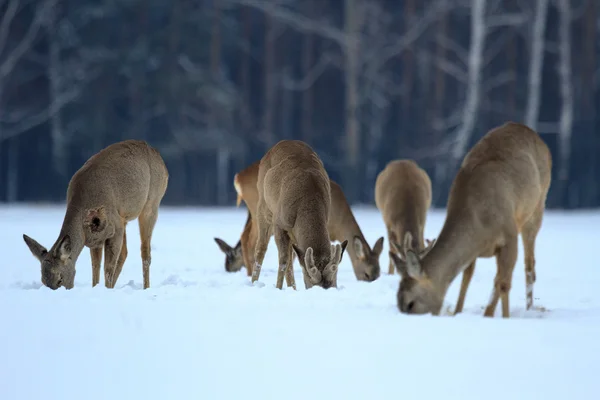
{"points": [[234, 260], [403, 196], [499, 191], [122, 182], [293, 205], [341, 226]]}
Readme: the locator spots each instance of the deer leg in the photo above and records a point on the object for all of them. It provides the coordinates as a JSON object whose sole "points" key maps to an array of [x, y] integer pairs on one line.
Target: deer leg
{"points": [[112, 252], [529, 234], [248, 240], [122, 255], [391, 239], [506, 258], [96, 254], [262, 242], [147, 220], [289, 273], [284, 244], [464, 286]]}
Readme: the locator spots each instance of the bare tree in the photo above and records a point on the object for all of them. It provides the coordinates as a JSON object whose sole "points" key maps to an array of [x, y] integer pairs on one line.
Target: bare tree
{"points": [[363, 58], [536, 60], [566, 91], [473, 92]]}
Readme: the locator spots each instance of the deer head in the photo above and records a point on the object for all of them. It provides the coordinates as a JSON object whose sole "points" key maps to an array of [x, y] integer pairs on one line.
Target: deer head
{"points": [[416, 294], [321, 270], [234, 261], [57, 265], [367, 260]]}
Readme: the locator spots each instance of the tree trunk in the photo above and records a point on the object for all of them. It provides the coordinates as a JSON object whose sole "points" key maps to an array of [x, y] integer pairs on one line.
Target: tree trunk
{"points": [[536, 61], [269, 90], [59, 141], [475, 66], [407, 67], [307, 95], [352, 140], [566, 92], [12, 173], [223, 154]]}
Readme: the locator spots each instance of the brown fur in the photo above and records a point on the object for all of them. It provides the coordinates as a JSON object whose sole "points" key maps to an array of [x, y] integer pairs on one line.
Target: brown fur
{"points": [[341, 226], [124, 181], [294, 198], [499, 192], [403, 196]]}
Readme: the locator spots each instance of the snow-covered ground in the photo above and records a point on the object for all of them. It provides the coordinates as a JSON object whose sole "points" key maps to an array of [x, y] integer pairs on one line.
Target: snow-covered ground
{"points": [[202, 333]]}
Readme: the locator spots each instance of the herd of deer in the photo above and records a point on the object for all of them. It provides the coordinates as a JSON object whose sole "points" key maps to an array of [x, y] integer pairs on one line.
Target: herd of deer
{"points": [[498, 193]]}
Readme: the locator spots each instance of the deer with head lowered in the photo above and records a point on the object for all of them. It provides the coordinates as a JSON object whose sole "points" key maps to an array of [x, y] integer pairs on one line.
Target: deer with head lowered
{"points": [[341, 226], [403, 196], [294, 199], [122, 182], [498, 193]]}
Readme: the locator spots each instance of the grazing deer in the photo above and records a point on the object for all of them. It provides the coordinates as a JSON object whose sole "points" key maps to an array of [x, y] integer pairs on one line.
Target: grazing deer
{"points": [[294, 199], [234, 260], [124, 181], [341, 226], [403, 196], [499, 191]]}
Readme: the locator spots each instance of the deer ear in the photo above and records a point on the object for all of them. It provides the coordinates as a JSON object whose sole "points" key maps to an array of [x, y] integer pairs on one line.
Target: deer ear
{"points": [[238, 245], [343, 246], [413, 265], [398, 263], [398, 249], [359, 248], [63, 250], [225, 248], [36, 249], [378, 247], [427, 249]]}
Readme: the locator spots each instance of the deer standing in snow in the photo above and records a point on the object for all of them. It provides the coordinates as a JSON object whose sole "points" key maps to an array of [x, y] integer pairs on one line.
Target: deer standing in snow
{"points": [[122, 182], [499, 191], [403, 196], [341, 226], [294, 199]]}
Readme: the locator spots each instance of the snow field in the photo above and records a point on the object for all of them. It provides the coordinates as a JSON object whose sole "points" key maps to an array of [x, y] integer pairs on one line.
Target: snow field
{"points": [[200, 332]]}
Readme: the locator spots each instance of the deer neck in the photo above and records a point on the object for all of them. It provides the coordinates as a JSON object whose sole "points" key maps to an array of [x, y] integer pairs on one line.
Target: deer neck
{"points": [[73, 226], [310, 229], [345, 227], [409, 224], [454, 249]]}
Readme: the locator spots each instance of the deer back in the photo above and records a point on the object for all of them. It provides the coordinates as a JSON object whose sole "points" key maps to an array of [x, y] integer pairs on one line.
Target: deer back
{"points": [[403, 196], [505, 174], [245, 183]]}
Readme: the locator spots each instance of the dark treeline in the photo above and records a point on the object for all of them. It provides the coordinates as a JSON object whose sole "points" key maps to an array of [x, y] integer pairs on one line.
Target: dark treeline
{"points": [[214, 83]]}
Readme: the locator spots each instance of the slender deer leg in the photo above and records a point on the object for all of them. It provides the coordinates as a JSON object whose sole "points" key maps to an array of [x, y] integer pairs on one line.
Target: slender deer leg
{"points": [[289, 273], [122, 255], [96, 254], [248, 244], [506, 259], [112, 251], [391, 239], [147, 220], [283, 242], [263, 227], [464, 286], [528, 235]]}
